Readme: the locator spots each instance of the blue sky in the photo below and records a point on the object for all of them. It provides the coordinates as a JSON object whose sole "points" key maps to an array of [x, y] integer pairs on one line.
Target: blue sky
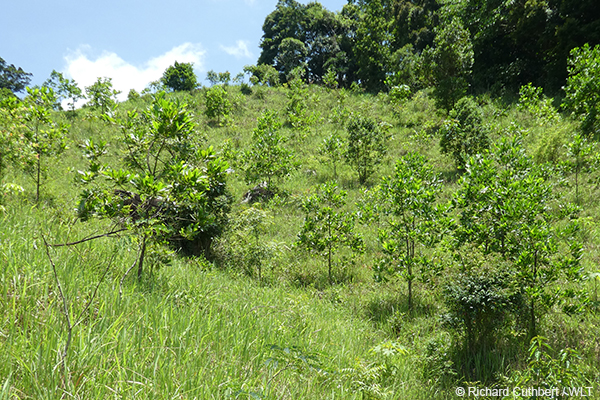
{"points": [[132, 41]]}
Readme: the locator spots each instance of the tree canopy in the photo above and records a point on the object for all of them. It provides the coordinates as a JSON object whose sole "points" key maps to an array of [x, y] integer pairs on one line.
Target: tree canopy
{"points": [[13, 78]]}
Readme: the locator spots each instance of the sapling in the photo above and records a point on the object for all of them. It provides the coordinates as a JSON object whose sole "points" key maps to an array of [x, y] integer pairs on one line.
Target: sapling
{"points": [[327, 226]]}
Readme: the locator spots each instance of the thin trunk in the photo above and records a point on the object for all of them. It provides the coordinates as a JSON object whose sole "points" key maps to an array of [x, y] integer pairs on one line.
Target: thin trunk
{"points": [[37, 181], [141, 259], [533, 327]]}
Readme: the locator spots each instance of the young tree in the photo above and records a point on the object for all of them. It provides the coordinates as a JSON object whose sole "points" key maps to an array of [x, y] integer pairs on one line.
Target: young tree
{"points": [[579, 158], [504, 206], [332, 147], [262, 74], [180, 77], [366, 146], [413, 219], [164, 189], [327, 226], [218, 105], [464, 135], [44, 136], [65, 89], [267, 159], [102, 95]]}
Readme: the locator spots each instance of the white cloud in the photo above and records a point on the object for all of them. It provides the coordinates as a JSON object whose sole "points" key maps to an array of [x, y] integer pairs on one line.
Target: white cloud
{"points": [[86, 69], [239, 50]]}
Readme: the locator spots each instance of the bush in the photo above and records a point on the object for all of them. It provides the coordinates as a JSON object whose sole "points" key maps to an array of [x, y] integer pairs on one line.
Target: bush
{"points": [[366, 146], [180, 77], [463, 135], [218, 105]]}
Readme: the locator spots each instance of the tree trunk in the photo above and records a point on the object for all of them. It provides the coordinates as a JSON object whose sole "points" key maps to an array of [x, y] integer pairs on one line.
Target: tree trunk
{"points": [[141, 259]]}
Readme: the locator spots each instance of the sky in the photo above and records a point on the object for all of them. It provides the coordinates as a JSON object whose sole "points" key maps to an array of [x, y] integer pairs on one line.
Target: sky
{"points": [[133, 41]]}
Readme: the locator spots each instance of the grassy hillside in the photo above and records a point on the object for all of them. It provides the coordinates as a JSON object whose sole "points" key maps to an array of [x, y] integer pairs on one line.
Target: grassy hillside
{"points": [[198, 328]]}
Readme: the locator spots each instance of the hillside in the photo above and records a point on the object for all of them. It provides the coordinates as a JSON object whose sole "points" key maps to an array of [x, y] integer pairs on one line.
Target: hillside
{"points": [[259, 315]]}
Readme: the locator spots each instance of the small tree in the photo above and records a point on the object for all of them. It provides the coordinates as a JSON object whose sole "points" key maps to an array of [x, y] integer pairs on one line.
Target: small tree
{"points": [[245, 242], [102, 95], [263, 74], [180, 77], [579, 158], [413, 220], [267, 159], [43, 136], [332, 147], [164, 189], [505, 206], [464, 135], [327, 226], [218, 105], [366, 146], [65, 89], [583, 90]]}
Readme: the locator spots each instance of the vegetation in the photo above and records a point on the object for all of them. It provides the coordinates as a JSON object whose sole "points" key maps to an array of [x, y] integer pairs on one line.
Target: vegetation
{"points": [[365, 230]]}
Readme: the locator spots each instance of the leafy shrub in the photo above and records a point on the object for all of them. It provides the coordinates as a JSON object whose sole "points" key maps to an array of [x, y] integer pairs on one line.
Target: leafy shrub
{"points": [[463, 135], [267, 159], [532, 100], [218, 105], [480, 303], [180, 77], [366, 143], [164, 188]]}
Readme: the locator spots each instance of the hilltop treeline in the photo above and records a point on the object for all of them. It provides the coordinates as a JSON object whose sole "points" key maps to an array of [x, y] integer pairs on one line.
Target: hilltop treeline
{"points": [[381, 43]]}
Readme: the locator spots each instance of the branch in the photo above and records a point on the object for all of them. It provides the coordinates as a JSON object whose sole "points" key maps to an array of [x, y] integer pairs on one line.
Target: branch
{"points": [[86, 239]]}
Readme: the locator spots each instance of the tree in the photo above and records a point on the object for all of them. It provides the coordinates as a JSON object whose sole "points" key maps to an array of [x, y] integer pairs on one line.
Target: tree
{"points": [[451, 62], [579, 154], [164, 189], [366, 146], [291, 55], [505, 206], [408, 200], [218, 105], [463, 135], [583, 90], [267, 159], [373, 45], [180, 77], [44, 136], [13, 78], [262, 74], [327, 226], [64, 88], [332, 147], [102, 95]]}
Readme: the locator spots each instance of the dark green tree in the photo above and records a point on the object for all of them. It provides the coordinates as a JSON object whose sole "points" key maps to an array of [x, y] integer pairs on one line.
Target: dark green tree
{"points": [[366, 143], [13, 78], [451, 62], [464, 134], [180, 77]]}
